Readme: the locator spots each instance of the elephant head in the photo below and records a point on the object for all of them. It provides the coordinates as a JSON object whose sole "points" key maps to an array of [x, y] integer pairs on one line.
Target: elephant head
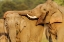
{"points": [[47, 13]]}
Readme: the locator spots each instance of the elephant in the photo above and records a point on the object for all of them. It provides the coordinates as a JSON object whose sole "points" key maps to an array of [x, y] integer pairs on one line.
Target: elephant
{"points": [[23, 29], [48, 13], [3, 32], [61, 27]]}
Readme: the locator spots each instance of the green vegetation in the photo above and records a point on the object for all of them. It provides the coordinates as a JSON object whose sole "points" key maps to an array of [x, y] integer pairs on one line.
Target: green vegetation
{"points": [[9, 5]]}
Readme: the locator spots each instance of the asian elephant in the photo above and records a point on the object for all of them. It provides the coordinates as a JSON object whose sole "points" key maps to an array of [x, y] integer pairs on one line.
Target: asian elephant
{"points": [[3, 32], [22, 29], [49, 14]]}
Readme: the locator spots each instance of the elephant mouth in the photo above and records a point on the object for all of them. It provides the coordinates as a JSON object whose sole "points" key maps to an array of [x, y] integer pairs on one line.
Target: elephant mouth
{"points": [[33, 17]]}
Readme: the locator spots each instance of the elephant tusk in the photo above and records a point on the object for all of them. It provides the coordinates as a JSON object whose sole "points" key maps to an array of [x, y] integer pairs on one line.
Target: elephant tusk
{"points": [[33, 17]]}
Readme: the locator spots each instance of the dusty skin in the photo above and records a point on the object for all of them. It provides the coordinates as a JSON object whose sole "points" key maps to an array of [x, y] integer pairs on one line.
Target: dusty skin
{"points": [[22, 29], [49, 14]]}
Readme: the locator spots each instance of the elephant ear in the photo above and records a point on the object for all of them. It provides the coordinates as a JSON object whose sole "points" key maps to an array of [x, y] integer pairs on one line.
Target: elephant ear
{"points": [[56, 17], [40, 19]]}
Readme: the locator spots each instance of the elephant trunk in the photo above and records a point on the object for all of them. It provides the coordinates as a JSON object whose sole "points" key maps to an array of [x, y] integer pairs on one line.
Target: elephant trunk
{"points": [[25, 12]]}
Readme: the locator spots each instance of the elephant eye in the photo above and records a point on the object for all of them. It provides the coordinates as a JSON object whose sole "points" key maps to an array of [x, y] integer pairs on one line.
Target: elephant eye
{"points": [[44, 9]]}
